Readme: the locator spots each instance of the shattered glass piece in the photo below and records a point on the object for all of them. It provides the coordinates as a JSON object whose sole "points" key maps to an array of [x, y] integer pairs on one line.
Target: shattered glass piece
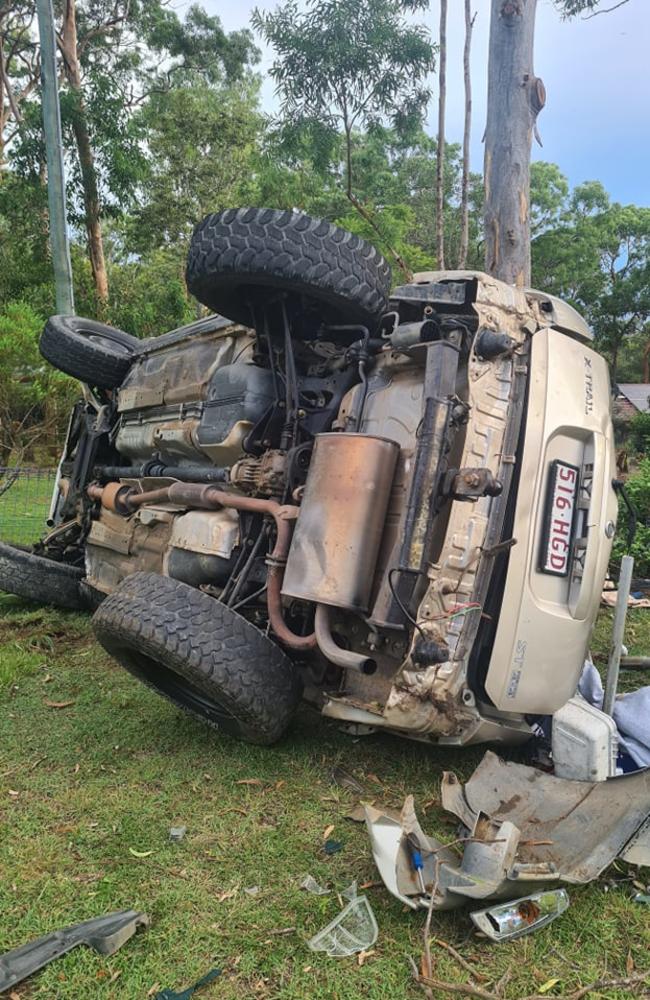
{"points": [[521, 916], [311, 885], [351, 891], [353, 930], [641, 897], [252, 890], [332, 846], [176, 833]]}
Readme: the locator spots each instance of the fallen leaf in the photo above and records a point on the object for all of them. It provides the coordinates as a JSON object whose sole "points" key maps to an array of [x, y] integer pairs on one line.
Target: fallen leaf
{"points": [[14, 794], [373, 777], [370, 885], [363, 955], [327, 831], [58, 704], [279, 784], [37, 762], [549, 984], [228, 894], [14, 996], [139, 854], [116, 975], [629, 964], [249, 781], [154, 989]]}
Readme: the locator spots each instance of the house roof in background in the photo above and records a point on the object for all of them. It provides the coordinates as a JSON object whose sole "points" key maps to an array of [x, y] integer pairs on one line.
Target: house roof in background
{"points": [[637, 393]]}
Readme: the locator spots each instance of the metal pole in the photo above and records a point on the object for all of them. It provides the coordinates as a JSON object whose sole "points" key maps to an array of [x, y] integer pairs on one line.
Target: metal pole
{"points": [[54, 149], [613, 666]]}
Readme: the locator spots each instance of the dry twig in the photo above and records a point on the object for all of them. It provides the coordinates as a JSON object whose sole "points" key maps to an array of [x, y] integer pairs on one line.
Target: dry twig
{"points": [[472, 990]]}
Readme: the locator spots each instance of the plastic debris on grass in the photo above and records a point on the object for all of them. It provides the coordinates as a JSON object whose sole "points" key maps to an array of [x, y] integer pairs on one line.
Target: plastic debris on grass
{"points": [[352, 931]]}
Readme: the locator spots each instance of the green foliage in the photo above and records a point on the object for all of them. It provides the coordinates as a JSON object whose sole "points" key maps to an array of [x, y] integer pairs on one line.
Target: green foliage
{"points": [[349, 64], [148, 296], [31, 392], [639, 428], [571, 8], [394, 225], [596, 254], [638, 490], [201, 141]]}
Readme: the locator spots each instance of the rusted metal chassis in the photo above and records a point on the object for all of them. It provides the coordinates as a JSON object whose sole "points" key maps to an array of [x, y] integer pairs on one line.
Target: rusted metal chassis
{"points": [[124, 500]]}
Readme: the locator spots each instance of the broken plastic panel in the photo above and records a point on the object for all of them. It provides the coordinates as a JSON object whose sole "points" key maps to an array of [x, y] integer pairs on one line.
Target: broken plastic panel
{"points": [[309, 884], [105, 934], [353, 930], [521, 916]]}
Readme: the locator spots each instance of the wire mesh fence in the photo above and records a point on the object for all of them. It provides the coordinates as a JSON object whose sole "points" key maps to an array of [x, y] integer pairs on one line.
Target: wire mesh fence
{"points": [[25, 495]]}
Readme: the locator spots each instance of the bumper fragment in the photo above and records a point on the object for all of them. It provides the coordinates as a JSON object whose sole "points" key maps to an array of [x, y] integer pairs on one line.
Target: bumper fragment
{"points": [[525, 831]]}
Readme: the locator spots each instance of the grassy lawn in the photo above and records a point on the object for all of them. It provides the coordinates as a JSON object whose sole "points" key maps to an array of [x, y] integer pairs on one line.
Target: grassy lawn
{"points": [[83, 786], [24, 506]]}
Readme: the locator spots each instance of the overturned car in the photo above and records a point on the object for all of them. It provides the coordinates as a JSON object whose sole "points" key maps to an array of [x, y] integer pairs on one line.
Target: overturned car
{"points": [[395, 502]]}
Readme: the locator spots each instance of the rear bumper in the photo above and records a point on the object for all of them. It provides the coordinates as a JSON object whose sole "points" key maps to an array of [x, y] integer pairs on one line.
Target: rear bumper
{"points": [[545, 621]]}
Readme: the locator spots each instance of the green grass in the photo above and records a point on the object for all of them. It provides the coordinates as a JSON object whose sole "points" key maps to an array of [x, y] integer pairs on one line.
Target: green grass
{"points": [[82, 786], [24, 508]]}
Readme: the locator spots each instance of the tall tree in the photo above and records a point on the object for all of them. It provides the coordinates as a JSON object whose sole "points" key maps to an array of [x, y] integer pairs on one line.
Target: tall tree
{"points": [[515, 98], [440, 152], [69, 46], [467, 135], [19, 66], [347, 65]]}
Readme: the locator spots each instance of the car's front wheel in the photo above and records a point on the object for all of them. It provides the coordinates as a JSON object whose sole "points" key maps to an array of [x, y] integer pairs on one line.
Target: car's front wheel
{"points": [[200, 655]]}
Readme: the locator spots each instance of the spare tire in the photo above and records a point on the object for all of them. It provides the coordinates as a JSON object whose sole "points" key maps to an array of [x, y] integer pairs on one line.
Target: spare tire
{"points": [[90, 351], [38, 579], [238, 256], [200, 655]]}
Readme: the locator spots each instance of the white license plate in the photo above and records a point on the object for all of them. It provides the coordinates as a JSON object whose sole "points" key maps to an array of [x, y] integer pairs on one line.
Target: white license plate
{"points": [[562, 490]]}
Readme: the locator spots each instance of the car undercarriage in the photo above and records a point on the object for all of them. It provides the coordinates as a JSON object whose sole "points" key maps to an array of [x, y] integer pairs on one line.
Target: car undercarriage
{"points": [[377, 499]]}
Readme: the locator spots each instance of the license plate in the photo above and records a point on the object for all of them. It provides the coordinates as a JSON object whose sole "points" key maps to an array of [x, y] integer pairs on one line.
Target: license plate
{"points": [[562, 490]]}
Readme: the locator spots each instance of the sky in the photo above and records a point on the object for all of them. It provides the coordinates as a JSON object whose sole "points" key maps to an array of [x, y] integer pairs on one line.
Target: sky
{"points": [[596, 123]]}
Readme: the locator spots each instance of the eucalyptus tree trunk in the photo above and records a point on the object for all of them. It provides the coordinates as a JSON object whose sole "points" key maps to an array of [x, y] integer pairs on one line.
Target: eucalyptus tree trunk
{"points": [[467, 134], [440, 152], [68, 46], [515, 98]]}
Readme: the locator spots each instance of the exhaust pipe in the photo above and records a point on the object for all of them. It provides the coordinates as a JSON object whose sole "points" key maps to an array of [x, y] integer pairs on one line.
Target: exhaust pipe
{"points": [[341, 657]]}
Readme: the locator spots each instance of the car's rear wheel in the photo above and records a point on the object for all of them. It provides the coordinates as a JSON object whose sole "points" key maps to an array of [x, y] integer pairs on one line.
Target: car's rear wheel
{"points": [[201, 655], [93, 352], [38, 579], [242, 257]]}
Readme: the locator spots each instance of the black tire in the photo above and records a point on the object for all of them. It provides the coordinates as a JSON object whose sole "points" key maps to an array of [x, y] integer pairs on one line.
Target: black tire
{"points": [[38, 579], [236, 256], [92, 352], [200, 655]]}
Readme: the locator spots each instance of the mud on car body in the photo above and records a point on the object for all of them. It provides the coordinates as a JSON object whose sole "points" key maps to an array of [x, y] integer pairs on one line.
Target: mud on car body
{"points": [[394, 503]]}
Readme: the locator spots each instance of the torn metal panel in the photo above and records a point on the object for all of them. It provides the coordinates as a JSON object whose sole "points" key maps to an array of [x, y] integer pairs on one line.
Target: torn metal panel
{"points": [[588, 823], [526, 830]]}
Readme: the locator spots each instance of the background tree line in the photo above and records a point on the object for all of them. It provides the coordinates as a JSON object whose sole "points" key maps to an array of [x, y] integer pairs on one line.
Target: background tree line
{"points": [[162, 123]]}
